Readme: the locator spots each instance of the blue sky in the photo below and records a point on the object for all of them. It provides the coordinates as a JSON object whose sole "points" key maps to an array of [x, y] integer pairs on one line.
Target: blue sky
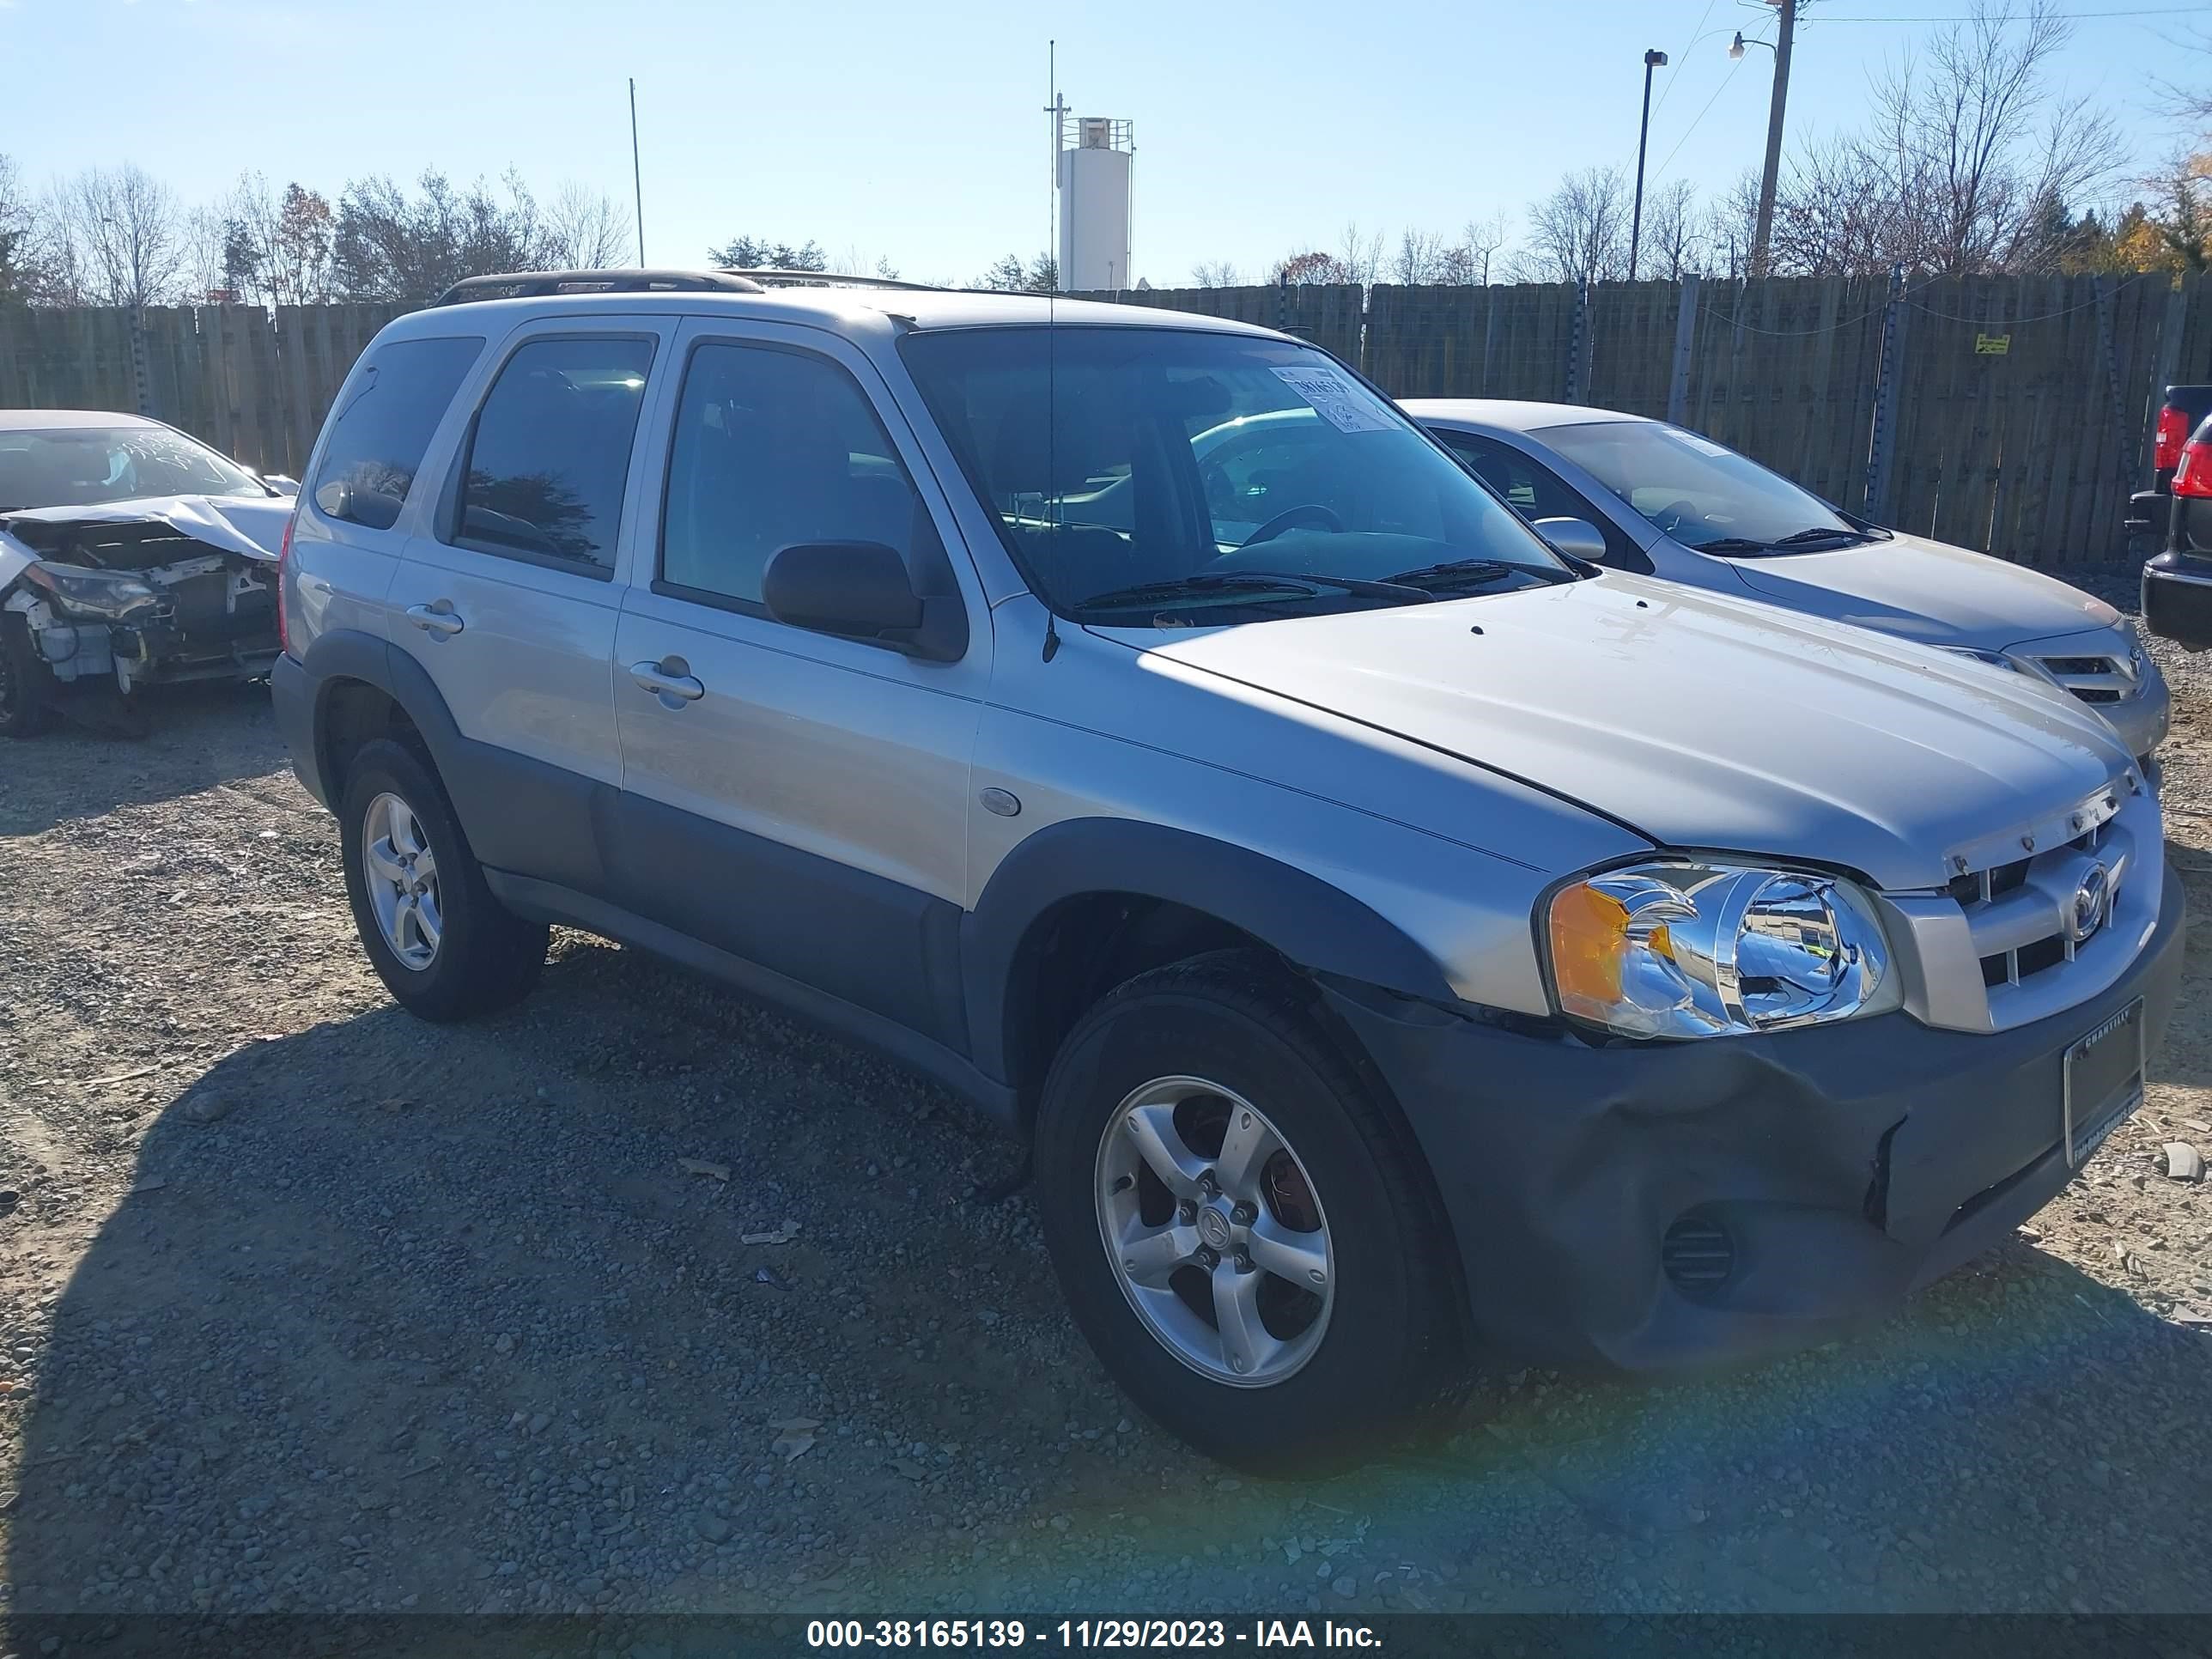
{"points": [[917, 131]]}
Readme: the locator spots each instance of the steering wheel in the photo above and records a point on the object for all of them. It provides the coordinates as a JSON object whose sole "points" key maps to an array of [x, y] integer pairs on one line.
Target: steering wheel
{"points": [[1672, 516], [1295, 515]]}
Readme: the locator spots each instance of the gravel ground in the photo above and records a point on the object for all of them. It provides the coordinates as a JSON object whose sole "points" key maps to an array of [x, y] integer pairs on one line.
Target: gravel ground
{"points": [[307, 1306]]}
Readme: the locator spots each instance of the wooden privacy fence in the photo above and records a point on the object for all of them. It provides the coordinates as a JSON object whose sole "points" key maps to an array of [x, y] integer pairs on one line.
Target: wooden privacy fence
{"points": [[2010, 414], [254, 385]]}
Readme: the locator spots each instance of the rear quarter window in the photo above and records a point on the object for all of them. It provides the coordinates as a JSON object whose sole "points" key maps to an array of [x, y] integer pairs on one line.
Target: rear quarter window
{"points": [[379, 433]]}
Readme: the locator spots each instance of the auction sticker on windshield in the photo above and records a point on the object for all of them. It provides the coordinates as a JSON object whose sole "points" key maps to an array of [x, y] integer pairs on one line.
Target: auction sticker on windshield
{"points": [[1342, 402]]}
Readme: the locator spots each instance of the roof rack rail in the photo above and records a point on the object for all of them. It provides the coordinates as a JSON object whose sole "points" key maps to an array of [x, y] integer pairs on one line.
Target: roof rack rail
{"points": [[535, 284], [767, 276]]}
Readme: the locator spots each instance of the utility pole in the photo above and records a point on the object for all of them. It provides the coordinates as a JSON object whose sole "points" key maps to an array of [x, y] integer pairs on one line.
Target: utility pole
{"points": [[636, 178], [1652, 60], [1763, 235]]}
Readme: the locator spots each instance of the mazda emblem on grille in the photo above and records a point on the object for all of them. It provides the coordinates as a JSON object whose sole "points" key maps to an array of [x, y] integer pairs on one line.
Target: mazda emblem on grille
{"points": [[2091, 900]]}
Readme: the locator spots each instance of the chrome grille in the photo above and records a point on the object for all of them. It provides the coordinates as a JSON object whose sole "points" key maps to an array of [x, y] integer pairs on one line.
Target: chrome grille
{"points": [[2096, 679], [2021, 913], [1996, 946]]}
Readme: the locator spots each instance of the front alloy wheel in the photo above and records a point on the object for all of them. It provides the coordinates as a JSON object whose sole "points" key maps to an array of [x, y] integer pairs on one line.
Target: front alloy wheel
{"points": [[1213, 1231], [1243, 1227]]}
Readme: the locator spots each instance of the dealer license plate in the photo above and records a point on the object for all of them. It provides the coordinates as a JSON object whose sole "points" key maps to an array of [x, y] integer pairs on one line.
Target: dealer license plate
{"points": [[2104, 1082]]}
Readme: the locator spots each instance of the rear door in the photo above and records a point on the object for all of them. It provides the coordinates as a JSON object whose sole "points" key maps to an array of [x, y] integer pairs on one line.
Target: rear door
{"points": [[509, 602], [799, 800]]}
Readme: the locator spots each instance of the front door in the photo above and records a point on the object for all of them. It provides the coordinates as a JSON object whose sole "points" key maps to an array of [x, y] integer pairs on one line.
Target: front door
{"points": [[798, 799]]}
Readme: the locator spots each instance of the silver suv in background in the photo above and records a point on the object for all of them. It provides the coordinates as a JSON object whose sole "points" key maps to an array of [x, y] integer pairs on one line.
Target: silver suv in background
{"points": [[1672, 504], [1397, 941]]}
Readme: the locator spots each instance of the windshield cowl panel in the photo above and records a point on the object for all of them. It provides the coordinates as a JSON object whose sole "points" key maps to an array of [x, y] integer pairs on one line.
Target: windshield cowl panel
{"points": [[1158, 469]]}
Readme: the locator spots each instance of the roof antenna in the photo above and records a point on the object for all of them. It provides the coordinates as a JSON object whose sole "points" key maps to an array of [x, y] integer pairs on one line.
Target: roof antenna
{"points": [[1051, 325]]}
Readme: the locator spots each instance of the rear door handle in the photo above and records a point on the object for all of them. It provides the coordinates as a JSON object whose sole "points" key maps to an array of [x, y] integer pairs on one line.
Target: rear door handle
{"points": [[669, 679], [438, 619]]}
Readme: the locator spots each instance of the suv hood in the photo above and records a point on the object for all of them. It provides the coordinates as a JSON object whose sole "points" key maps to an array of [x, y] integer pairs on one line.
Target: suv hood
{"points": [[1697, 720], [1926, 590]]}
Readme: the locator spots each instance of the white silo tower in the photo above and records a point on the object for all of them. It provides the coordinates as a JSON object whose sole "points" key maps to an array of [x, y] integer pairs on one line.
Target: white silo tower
{"points": [[1095, 157]]}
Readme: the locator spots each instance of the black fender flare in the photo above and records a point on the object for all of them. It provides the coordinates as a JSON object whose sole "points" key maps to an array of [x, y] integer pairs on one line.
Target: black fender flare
{"points": [[348, 654], [518, 813], [1312, 924]]}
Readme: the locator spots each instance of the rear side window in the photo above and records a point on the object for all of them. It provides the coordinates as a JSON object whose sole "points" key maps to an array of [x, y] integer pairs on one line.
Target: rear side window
{"points": [[774, 447], [376, 436], [549, 459]]}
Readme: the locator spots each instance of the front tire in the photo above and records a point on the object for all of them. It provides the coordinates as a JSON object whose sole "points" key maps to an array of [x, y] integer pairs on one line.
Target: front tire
{"points": [[444, 947], [1239, 1225], [24, 679]]}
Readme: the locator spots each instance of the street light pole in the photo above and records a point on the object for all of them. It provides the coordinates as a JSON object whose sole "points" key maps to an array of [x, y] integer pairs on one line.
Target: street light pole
{"points": [[1652, 60], [1762, 235]]}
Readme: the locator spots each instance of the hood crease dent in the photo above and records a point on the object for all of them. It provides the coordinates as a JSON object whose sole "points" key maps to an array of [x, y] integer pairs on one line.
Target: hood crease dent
{"points": [[1694, 719]]}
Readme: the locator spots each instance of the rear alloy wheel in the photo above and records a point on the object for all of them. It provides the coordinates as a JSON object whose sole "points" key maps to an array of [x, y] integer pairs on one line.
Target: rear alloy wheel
{"points": [[1240, 1224], [444, 947], [400, 873]]}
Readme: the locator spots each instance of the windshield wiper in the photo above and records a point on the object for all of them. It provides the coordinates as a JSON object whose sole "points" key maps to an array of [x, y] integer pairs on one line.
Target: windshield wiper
{"points": [[1291, 584], [1731, 544], [1472, 573], [1842, 533]]}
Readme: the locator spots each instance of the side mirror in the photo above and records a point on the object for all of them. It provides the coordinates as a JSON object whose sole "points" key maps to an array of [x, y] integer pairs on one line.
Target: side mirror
{"points": [[861, 591], [1577, 538]]}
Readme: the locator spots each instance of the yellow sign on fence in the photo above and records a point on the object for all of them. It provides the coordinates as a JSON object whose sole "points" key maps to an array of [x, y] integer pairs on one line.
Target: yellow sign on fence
{"points": [[1992, 345]]}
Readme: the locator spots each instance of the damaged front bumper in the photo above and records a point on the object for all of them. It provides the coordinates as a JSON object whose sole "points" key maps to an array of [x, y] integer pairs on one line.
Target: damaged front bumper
{"points": [[1655, 1206], [140, 593]]}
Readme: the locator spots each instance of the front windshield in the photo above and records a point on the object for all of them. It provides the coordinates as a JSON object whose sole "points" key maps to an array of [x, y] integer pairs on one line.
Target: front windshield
{"points": [[1701, 493], [1138, 471], [85, 467]]}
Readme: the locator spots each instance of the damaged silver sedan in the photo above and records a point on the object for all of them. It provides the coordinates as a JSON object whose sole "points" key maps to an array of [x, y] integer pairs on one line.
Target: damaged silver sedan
{"points": [[130, 556]]}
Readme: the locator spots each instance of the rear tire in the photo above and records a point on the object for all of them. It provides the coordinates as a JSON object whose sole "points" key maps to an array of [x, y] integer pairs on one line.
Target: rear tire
{"points": [[1180, 1058], [445, 948], [24, 679]]}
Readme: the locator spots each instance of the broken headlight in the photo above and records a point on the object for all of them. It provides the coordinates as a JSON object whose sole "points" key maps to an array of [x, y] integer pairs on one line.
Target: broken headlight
{"points": [[1693, 948], [84, 595]]}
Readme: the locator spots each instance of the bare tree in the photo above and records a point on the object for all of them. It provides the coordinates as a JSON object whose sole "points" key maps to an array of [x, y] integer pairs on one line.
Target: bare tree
{"points": [[34, 257], [1972, 159], [123, 235], [1480, 242], [586, 230], [1674, 233], [1358, 258], [1579, 232], [1214, 273]]}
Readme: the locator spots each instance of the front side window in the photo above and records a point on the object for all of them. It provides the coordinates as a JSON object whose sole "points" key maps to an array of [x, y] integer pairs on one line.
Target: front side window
{"points": [[376, 436], [85, 466], [1149, 471], [774, 447], [1702, 494], [549, 458], [1536, 492]]}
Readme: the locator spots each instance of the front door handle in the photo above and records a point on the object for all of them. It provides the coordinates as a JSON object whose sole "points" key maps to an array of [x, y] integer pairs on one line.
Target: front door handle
{"points": [[669, 679], [436, 619]]}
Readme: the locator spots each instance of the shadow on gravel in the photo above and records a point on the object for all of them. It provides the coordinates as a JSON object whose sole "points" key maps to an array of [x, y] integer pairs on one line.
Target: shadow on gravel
{"points": [[432, 1318], [184, 739]]}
